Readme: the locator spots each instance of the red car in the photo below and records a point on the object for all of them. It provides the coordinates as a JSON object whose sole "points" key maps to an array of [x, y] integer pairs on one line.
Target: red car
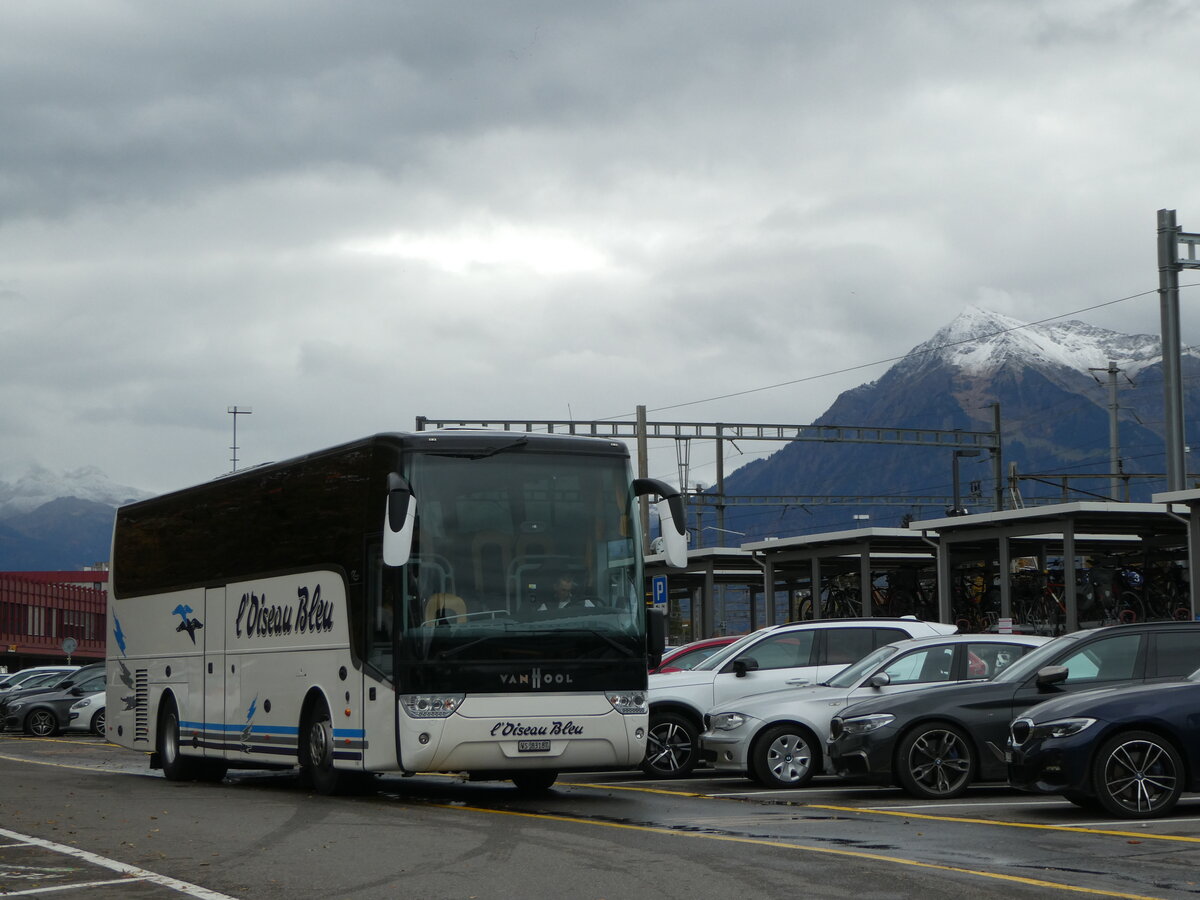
{"points": [[680, 658]]}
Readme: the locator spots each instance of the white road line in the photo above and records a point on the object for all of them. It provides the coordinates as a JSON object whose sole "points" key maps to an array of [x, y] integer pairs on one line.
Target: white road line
{"points": [[184, 887], [70, 887]]}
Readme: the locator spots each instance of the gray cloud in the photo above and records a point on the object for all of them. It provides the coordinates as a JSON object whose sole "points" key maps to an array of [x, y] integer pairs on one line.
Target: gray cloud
{"points": [[349, 215]]}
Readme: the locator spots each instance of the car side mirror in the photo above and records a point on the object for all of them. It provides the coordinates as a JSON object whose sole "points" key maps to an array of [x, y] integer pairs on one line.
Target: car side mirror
{"points": [[744, 664], [879, 679], [1052, 675]]}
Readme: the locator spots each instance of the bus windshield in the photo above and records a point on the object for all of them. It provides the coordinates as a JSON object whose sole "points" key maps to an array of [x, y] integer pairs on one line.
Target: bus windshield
{"points": [[518, 555]]}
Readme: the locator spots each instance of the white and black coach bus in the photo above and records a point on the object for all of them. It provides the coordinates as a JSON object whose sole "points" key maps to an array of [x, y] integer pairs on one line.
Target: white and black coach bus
{"points": [[444, 601]]}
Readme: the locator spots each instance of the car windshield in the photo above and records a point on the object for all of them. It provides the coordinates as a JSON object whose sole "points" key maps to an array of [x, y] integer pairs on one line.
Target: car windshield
{"points": [[48, 678], [718, 659], [1035, 659], [851, 675]]}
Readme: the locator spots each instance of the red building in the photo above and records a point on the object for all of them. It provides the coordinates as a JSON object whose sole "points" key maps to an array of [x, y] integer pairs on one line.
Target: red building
{"points": [[40, 610]]}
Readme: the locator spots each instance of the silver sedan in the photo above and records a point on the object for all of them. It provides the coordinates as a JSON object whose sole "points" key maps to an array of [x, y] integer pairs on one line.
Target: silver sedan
{"points": [[778, 738]]}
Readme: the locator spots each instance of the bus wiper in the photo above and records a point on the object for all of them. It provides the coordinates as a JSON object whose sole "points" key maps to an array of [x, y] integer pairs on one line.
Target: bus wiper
{"points": [[611, 641], [454, 651]]}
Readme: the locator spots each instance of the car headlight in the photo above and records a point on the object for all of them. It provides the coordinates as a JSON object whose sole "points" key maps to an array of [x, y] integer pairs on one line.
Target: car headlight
{"points": [[865, 724], [727, 721], [81, 704], [628, 703], [1060, 728], [430, 706]]}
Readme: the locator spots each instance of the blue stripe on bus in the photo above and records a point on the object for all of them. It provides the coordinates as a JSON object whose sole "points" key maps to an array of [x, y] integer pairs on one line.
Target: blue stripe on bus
{"points": [[267, 729]]}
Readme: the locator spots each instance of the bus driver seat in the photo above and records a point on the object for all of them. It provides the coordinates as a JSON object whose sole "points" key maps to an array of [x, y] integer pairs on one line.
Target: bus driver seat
{"points": [[445, 609]]}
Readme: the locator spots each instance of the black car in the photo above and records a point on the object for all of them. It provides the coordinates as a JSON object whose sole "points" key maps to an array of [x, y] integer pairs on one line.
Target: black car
{"points": [[68, 680], [1130, 751], [44, 714], [935, 742]]}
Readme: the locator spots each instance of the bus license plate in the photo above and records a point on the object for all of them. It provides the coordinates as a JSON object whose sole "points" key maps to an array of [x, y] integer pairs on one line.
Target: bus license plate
{"points": [[533, 746]]}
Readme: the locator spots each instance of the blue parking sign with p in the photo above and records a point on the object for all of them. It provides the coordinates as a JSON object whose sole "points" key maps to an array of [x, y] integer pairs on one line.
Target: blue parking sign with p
{"points": [[658, 591]]}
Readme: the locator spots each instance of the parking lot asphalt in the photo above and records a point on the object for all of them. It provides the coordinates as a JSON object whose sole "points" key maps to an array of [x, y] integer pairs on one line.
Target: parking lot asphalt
{"points": [[998, 842]]}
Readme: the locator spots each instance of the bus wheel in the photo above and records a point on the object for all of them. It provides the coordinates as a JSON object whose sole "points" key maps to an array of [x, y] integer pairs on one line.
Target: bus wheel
{"points": [[175, 766], [534, 781], [317, 750]]}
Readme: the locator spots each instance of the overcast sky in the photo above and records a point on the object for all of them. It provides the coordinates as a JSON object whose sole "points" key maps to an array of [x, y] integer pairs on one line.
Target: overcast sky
{"points": [[346, 215]]}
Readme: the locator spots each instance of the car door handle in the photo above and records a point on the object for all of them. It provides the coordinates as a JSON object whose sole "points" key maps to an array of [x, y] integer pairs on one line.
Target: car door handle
{"points": [[797, 681]]}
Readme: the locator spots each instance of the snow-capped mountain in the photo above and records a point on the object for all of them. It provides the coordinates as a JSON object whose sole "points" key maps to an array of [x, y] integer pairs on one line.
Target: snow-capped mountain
{"points": [[26, 486], [1054, 419], [979, 342], [57, 520]]}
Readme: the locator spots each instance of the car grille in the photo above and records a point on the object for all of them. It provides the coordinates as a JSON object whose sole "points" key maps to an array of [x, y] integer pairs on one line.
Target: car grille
{"points": [[1019, 731]]}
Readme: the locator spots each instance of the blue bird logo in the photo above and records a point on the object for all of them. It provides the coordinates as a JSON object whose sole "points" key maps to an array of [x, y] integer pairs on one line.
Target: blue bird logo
{"points": [[188, 625]]}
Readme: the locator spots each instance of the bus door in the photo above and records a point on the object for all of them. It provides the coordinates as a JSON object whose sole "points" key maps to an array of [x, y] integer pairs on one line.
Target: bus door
{"points": [[214, 670]]}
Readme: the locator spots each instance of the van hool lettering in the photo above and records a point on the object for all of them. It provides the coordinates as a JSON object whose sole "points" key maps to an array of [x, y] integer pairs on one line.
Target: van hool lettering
{"points": [[256, 617], [535, 679]]}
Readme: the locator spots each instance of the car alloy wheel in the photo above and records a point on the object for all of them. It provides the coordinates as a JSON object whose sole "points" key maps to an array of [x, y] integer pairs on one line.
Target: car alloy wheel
{"points": [[935, 762], [672, 746], [41, 723], [1137, 774]]}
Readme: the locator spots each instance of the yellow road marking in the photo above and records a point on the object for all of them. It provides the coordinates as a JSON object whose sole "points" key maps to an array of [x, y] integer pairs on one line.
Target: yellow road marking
{"points": [[783, 845], [627, 787], [1067, 828], [59, 765]]}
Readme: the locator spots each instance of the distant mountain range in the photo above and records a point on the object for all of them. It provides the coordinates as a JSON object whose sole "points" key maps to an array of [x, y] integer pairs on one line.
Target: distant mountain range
{"points": [[1054, 405], [1048, 379], [57, 521]]}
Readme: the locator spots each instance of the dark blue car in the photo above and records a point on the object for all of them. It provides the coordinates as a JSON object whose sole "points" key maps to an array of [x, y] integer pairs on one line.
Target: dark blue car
{"points": [[1130, 751]]}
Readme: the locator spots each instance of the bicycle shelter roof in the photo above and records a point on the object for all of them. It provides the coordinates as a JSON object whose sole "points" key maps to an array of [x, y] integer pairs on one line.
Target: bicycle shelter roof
{"points": [[807, 558], [1070, 529]]}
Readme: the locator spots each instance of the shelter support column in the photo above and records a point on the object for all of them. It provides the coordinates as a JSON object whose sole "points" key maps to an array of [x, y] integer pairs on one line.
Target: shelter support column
{"points": [[1070, 595], [708, 601], [1005, 579], [945, 614], [769, 588], [864, 581], [814, 566], [1193, 533]]}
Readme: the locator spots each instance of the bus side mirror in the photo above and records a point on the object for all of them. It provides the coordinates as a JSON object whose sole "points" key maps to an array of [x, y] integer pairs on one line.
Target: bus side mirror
{"points": [[656, 635], [670, 519], [398, 521]]}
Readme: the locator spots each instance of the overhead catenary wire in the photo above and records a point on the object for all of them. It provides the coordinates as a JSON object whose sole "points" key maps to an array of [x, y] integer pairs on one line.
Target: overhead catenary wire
{"points": [[912, 354]]}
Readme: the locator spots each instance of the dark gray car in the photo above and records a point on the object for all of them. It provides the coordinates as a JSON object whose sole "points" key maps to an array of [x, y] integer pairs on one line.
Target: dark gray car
{"points": [[46, 713], [934, 743]]}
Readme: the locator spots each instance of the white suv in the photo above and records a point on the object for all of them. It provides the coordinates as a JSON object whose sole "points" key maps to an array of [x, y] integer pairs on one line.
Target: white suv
{"points": [[17, 679], [769, 659]]}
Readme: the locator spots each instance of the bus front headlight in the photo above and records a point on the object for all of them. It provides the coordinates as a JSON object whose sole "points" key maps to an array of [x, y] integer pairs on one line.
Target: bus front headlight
{"points": [[628, 703], [430, 706]]}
